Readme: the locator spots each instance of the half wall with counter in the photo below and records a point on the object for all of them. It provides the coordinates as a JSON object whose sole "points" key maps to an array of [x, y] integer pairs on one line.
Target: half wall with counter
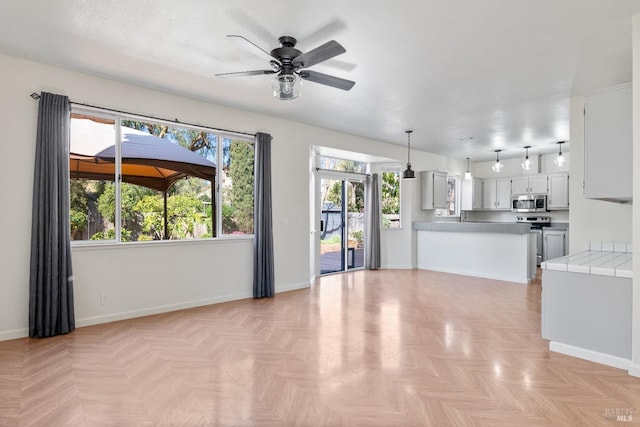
{"points": [[587, 303], [501, 251]]}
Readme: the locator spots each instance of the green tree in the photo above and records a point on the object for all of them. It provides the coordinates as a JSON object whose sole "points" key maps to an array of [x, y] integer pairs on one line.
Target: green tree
{"points": [[129, 196], [241, 195], [79, 206], [390, 193], [354, 196], [184, 211]]}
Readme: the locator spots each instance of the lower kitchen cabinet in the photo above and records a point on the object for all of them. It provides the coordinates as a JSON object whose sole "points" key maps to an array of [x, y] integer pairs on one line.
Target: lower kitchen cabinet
{"points": [[555, 243]]}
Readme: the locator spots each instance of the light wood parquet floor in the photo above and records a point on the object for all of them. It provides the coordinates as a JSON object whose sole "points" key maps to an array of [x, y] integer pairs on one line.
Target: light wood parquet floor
{"points": [[366, 348]]}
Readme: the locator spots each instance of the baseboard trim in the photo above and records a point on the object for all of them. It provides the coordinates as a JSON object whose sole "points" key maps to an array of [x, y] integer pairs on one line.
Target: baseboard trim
{"points": [[123, 315], [474, 274], [634, 370], [592, 356], [396, 267], [293, 287], [14, 334]]}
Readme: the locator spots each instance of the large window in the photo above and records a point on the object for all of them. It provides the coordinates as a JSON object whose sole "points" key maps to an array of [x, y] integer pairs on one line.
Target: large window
{"points": [[390, 199], [173, 182]]}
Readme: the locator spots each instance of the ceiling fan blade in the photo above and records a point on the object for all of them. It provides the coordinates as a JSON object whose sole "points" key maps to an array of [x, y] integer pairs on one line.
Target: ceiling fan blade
{"points": [[246, 73], [252, 47], [325, 79], [321, 53]]}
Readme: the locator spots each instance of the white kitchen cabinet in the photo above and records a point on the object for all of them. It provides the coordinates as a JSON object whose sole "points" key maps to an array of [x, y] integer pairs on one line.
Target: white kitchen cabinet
{"points": [[608, 144], [471, 194], [538, 184], [558, 195], [434, 190], [554, 241], [496, 193], [533, 184]]}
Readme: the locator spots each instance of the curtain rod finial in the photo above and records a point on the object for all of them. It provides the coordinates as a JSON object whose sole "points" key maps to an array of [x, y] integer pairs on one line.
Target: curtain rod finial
{"points": [[35, 96]]}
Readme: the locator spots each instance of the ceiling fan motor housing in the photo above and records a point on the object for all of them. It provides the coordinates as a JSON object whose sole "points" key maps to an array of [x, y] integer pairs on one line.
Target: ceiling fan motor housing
{"points": [[286, 53]]}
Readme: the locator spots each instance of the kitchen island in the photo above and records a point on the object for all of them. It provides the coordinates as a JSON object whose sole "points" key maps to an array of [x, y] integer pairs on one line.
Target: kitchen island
{"points": [[494, 250]]}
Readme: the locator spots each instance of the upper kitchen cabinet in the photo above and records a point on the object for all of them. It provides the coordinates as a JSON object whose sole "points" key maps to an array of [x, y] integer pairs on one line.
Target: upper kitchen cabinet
{"points": [[496, 193], [558, 195], [608, 173], [534, 184], [434, 189], [471, 194]]}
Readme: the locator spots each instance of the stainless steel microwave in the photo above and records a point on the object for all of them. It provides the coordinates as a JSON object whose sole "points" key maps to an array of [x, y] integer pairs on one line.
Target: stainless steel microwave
{"points": [[529, 203]]}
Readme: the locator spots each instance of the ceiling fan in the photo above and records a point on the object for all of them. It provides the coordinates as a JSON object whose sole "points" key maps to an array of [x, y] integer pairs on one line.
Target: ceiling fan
{"points": [[289, 65]]}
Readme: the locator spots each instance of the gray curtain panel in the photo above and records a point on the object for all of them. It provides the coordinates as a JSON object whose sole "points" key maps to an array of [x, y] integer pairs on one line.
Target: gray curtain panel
{"points": [[372, 212], [51, 279], [263, 270]]}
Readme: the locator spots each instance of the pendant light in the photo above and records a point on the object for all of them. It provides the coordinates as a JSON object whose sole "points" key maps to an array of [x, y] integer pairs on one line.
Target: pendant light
{"points": [[467, 174], [408, 172], [497, 167], [560, 160], [526, 164]]}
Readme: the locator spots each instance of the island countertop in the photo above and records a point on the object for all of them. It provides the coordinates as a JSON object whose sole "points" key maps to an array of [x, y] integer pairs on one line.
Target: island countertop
{"points": [[473, 227]]}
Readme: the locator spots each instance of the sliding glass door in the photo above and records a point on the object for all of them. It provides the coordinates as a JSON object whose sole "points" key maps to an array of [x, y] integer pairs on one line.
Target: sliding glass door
{"points": [[341, 224]]}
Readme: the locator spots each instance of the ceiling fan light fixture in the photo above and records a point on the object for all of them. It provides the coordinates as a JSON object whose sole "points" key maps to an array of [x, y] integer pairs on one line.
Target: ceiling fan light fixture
{"points": [[286, 86], [560, 160], [497, 167], [526, 164], [408, 172]]}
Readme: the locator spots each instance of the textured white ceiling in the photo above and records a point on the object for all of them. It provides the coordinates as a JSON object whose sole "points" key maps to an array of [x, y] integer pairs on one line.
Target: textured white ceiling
{"points": [[500, 71]]}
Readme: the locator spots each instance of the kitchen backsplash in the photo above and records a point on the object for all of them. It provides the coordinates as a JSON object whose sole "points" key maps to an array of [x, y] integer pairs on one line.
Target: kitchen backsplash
{"points": [[508, 216]]}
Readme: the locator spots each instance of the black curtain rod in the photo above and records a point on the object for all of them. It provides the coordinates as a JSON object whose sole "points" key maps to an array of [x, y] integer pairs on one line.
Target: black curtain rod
{"points": [[37, 96]]}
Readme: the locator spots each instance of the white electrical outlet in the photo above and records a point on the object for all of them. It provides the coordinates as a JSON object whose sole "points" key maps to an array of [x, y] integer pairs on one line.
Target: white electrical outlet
{"points": [[104, 299]]}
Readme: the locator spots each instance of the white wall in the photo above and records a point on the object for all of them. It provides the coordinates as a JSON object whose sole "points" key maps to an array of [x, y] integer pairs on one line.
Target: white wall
{"points": [[635, 327], [159, 276]]}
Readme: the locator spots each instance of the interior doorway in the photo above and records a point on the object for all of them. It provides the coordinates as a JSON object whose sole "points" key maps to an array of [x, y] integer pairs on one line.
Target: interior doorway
{"points": [[342, 219]]}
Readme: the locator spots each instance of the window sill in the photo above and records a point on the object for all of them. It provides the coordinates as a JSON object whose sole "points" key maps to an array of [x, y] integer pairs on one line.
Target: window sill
{"points": [[100, 245]]}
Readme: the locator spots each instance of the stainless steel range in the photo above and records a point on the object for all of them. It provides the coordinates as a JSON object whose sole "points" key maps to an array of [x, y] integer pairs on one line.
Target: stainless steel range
{"points": [[537, 224]]}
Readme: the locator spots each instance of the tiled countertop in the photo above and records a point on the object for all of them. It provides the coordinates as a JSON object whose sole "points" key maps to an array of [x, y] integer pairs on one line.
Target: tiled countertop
{"points": [[600, 258]]}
